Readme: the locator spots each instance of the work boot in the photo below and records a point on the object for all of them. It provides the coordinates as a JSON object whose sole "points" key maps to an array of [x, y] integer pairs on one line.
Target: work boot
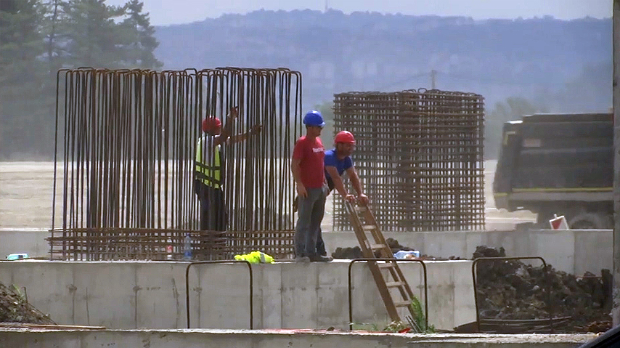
{"points": [[302, 259], [321, 258]]}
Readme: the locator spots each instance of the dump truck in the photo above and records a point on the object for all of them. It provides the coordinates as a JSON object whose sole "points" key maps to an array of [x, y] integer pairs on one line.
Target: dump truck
{"points": [[558, 164]]}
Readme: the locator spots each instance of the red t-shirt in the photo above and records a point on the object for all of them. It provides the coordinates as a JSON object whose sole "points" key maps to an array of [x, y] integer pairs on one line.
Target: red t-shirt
{"points": [[311, 153]]}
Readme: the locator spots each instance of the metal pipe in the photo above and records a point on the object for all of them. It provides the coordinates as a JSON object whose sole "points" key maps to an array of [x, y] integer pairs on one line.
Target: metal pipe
{"points": [[616, 184]]}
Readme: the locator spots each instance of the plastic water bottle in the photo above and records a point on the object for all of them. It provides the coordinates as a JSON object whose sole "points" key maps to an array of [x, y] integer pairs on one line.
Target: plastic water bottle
{"points": [[18, 256], [187, 247], [169, 249]]}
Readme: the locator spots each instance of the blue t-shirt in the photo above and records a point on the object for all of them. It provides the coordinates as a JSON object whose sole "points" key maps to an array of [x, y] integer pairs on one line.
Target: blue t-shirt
{"points": [[331, 159]]}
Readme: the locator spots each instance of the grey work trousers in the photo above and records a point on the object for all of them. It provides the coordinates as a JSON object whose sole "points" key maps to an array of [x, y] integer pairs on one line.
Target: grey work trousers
{"points": [[310, 212]]}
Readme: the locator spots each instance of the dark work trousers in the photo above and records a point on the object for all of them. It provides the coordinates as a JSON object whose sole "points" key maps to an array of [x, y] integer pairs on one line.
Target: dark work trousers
{"points": [[213, 215], [310, 212], [320, 244]]}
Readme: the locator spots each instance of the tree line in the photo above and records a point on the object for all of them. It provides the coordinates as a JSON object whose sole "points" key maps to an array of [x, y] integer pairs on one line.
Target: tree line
{"points": [[37, 38]]}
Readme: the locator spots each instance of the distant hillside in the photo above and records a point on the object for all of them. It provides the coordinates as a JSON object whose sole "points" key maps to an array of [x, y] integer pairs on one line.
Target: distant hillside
{"points": [[369, 51]]}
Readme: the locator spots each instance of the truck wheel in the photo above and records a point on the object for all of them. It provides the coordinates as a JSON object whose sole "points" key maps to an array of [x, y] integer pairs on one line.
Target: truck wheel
{"points": [[589, 221]]}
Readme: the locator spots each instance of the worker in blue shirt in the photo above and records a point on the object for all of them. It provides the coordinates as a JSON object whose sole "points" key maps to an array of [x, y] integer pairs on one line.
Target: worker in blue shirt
{"points": [[337, 162]]}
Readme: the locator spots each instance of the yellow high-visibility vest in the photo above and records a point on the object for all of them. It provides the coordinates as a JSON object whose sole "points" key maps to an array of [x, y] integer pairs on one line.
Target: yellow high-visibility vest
{"points": [[208, 163], [255, 257]]}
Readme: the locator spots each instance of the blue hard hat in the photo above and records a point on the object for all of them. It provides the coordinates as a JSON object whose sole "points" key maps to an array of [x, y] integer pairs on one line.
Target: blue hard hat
{"points": [[314, 118]]}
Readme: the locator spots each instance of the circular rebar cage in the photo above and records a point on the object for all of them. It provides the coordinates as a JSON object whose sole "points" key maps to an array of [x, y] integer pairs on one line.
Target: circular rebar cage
{"points": [[419, 155]]}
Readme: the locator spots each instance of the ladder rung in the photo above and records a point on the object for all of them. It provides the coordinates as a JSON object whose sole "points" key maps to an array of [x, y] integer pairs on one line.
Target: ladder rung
{"points": [[369, 227], [394, 284], [377, 246], [360, 209], [402, 303]]}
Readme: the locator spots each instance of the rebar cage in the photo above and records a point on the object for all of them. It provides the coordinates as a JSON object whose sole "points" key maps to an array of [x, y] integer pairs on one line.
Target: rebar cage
{"points": [[125, 148], [419, 155]]}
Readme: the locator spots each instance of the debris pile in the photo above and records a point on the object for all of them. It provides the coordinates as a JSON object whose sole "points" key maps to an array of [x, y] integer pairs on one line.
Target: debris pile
{"points": [[14, 308], [512, 289], [347, 253]]}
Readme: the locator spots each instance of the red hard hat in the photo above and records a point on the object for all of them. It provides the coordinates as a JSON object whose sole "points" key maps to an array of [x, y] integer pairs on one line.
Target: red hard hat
{"points": [[210, 124], [344, 137]]}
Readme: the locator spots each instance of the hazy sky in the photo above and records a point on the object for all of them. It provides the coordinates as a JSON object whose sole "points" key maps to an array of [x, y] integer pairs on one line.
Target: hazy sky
{"points": [[165, 12]]}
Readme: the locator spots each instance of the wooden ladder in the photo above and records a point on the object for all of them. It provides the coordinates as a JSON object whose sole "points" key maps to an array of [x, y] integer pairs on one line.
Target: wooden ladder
{"points": [[364, 221]]}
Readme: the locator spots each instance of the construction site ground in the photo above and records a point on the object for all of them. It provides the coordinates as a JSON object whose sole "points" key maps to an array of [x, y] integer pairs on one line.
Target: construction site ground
{"points": [[26, 198]]}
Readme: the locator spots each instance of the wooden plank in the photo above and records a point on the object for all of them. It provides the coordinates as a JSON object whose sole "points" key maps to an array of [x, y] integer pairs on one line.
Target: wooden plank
{"points": [[52, 327]]}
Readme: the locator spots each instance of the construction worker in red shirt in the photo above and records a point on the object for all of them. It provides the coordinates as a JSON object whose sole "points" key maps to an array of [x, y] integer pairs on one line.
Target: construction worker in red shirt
{"points": [[309, 175]]}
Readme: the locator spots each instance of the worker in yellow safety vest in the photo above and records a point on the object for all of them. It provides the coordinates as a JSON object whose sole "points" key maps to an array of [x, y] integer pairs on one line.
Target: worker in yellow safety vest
{"points": [[210, 172]]}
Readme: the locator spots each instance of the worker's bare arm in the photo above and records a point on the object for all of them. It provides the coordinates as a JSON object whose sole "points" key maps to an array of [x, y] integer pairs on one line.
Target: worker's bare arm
{"points": [[301, 189], [338, 184], [357, 185], [242, 137], [223, 137]]}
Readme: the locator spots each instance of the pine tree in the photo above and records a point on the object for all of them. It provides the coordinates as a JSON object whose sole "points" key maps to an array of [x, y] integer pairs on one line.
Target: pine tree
{"points": [[92, 35], [52, 27], [141, 42], [39, 37], [21, 71]]}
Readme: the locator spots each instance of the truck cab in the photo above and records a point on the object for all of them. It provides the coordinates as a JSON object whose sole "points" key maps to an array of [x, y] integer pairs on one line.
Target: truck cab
{"points": [[558, 164]]}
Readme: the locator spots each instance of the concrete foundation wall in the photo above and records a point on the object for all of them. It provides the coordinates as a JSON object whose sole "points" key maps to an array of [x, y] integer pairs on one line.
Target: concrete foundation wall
{"points": [[127, 295], [267, 339], [572, 251]]}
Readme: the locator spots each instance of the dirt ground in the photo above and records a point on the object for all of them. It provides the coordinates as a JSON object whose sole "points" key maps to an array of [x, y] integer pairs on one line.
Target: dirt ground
{"points": [[26, 198]]}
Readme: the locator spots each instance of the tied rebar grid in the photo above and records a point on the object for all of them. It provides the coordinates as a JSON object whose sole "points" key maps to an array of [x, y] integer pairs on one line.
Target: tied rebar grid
{"points": [[126, 145], [419, 155]]}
